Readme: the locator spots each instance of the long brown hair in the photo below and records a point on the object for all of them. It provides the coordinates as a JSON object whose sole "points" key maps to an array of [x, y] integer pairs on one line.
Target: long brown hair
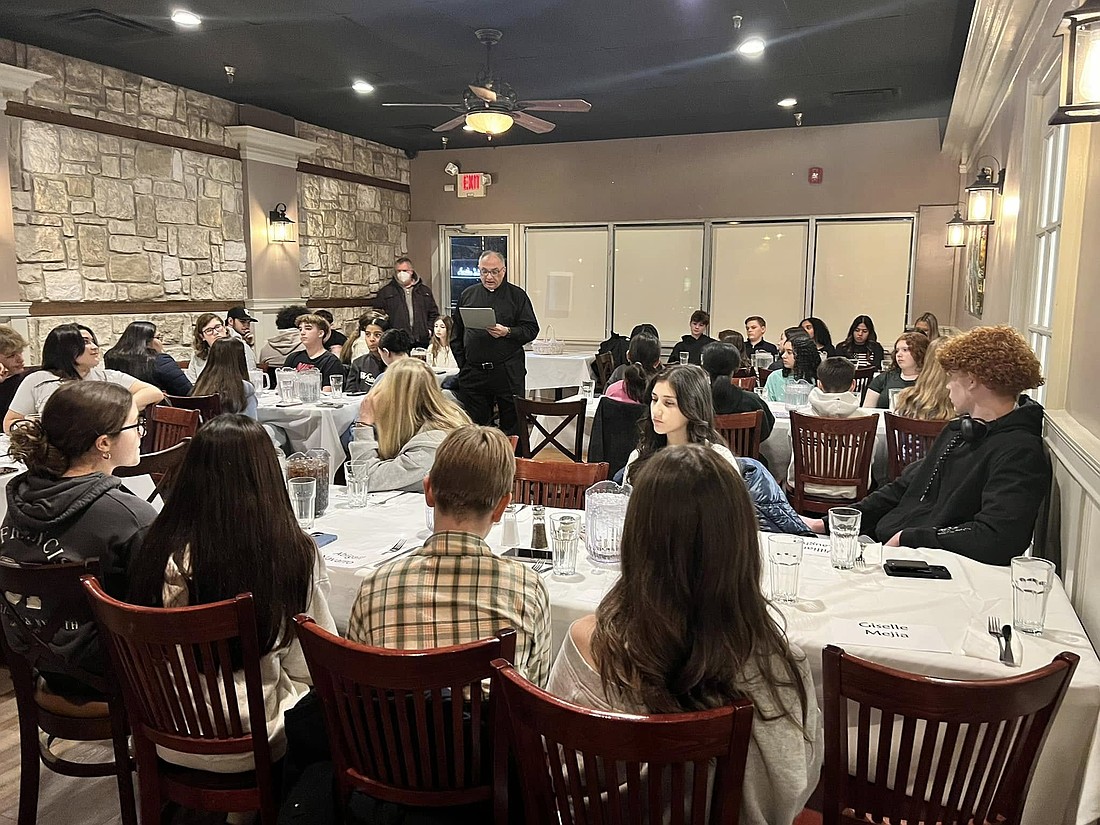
{"points": [[686, 622], [435, 347], [230, 509], [691, 386], [224, 374]]}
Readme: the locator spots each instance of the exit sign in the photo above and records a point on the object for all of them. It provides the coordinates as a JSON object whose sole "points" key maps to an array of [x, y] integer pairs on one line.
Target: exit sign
{"points": [[471, 185]]}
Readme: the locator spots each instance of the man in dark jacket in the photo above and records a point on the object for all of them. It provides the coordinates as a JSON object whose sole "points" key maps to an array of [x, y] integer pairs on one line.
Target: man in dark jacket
{"points": [[408, 302], [978, 491], [492, 365]]}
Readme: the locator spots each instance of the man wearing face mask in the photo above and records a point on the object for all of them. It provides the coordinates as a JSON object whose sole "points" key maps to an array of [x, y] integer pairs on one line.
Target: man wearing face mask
{"points": [[408, 302]]}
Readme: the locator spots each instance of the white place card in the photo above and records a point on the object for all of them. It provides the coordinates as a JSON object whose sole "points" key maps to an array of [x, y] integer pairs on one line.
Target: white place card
{"points": [[885, 633], [816, 547], [345, 557]]}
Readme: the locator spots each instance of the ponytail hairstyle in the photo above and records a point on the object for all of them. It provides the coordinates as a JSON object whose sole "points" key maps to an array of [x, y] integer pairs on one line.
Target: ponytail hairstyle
{"points": [[74, 417], [644, 362]]}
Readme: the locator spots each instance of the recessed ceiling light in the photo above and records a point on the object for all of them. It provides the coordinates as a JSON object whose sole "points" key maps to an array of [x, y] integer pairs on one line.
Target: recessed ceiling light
{"points": [[752, 47], [362, 87], [185, 18], [787, 102]]}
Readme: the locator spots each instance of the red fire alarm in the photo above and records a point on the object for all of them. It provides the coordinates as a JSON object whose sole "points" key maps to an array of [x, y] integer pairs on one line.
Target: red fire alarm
{"points": [[815, 175]]}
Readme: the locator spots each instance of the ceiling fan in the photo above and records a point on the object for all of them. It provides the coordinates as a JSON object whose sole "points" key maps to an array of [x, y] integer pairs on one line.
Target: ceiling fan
{"points": [[491, 106]]}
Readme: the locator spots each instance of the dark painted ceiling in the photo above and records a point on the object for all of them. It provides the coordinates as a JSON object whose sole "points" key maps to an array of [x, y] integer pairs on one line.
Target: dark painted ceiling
{"points": [[648, 68]]}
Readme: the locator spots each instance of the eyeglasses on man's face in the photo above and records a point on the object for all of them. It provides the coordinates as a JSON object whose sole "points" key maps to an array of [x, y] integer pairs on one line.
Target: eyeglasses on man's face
{"points": [[214, 330], [493, 272]]}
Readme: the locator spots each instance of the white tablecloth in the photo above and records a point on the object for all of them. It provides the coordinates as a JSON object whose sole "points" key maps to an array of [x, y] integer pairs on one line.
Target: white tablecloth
{"points": [[776, 449], [1069, 768], [549, 372], [309, 426]]}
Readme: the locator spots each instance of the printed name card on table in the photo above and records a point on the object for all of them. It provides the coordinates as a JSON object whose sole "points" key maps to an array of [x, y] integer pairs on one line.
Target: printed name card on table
{"points": [[882, 633], [816, 547], [345, 557]]}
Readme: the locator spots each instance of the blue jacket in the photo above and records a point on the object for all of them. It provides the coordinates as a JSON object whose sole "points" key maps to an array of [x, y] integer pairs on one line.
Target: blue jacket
{"points": [[773, 511]]}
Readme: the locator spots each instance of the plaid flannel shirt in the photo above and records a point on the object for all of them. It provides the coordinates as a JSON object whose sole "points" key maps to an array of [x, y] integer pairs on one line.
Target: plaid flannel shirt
{"points": [[451, 591]]}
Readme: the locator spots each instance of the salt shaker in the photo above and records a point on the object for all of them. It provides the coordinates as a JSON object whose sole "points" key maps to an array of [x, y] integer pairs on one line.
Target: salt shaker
{"points": [[509, 529]]}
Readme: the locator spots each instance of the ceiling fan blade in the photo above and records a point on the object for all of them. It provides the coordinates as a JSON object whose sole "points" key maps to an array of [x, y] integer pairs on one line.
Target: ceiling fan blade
{"points": [[488, 95], [436, 105], [453, 123], [532, 123], [569, 105]]}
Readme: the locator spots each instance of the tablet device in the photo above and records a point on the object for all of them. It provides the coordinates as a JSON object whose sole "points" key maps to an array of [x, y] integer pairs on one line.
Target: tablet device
{"points": [[478, 317]]}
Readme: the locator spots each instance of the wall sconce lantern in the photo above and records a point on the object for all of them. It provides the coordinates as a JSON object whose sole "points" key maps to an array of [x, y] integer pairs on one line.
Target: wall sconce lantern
{"points": [[981, 196], [1079, 93], [956, 232], [280, 228]]}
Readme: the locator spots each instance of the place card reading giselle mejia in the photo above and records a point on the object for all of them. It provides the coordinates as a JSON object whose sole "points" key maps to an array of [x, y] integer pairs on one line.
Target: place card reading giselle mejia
{"points": [[878, 633]]}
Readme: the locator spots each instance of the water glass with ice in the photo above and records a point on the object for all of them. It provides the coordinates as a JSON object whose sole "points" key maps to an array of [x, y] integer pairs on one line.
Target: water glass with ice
{"points": [[565, 531], [588, 389], [683, 357], [1031, 583], [303, 496], [337, 384], [844, 525], [355, 474], [784, 564]]}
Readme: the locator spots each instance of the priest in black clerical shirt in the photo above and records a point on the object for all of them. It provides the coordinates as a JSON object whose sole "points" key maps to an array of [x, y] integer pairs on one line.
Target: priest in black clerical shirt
{"points": [[491, 361]]}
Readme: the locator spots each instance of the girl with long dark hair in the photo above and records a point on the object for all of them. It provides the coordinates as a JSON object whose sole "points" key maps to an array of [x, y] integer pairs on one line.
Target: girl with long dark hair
{"points": [[861, 345], [440, 356], [800, 362], [71, 353], [226, 376], [140, 353], [686, 628], [185, 560], [643, 361], [820, 335]]}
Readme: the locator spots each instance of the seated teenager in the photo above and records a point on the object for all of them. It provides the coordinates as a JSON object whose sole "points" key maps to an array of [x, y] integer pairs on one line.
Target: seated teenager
{"points": [[928, 326], [208, 329], [978, 490], [643, 361], [833, 397], [909, 353], [204, 548], [12, 368], [226, 376], [862, 346], [335, 341], [394, 345], [71, 353], [755, 330], [440, 356], [286, 340], [820, 335], [68, 506], [140, 353], [693, 344], [789, 334], [313, 330], [928, 399], [363, 370], [721, 360], [687, 628], [453, 590], [402, 422], [800, 362]]}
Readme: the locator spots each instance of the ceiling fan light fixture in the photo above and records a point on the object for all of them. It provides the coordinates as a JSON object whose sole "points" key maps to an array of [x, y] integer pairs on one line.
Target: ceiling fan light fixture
{"points": [[788, 103], [489, 122], [362, 87], [752, 46], [186, 19]]}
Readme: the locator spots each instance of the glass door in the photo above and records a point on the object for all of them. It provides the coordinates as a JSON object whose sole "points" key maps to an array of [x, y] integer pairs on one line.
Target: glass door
{"points": [[462, 247]]}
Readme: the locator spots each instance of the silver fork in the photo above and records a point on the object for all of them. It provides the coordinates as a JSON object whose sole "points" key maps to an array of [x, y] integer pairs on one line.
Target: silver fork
{"points": [[994, 626], [541, 566], [397, 545]]}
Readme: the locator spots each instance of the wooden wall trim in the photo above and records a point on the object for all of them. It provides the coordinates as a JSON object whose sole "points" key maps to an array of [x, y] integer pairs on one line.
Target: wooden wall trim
{"points": [[104, 127], [352, 177], [50, 309]]}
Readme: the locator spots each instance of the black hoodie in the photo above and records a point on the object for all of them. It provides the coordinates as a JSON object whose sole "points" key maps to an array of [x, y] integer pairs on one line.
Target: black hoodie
{"points": [[692, 346], [51, 520], [978, 499]]}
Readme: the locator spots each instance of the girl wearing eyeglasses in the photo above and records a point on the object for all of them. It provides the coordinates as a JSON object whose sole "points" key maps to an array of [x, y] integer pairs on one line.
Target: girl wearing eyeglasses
{"points": [[68, 507], [208, 329]]}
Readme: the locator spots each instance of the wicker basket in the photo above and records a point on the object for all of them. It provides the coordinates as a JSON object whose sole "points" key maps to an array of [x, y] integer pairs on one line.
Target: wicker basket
{"points": [[548, 345]]}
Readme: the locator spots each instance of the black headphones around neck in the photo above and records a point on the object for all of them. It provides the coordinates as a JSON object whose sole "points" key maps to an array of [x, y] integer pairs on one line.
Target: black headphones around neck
{"points": [[972, 430]]}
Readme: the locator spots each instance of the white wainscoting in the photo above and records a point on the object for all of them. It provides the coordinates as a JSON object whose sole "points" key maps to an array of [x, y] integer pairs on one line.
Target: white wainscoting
{"points": [[1074, 524]]}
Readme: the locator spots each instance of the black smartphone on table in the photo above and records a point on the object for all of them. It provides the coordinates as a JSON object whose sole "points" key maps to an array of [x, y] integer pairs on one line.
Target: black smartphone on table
{"points": [[915, 569]]}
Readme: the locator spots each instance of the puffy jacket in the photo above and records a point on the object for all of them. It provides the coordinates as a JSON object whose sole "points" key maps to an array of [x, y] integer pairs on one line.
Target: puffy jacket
{"points": [[773, 511]]}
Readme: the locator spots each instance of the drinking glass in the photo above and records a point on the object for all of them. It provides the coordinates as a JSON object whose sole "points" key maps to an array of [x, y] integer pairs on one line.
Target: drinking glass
{"points": [[886, 364], [565, 529], [1031, 582], [286, 380], [337, 384], [683, 357], [843, 536], [762, 360], [784, 563], [303, 495], [762, 392], [588, 389], [894, 393], [355, 473]]}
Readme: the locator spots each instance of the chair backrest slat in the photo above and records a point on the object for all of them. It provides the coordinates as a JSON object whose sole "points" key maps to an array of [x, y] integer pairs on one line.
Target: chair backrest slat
{"points": [[209, 406], [555, 483], [170, 425], [831, 451], [528, 412], [741, 432], [908, 440], [925, 768]]}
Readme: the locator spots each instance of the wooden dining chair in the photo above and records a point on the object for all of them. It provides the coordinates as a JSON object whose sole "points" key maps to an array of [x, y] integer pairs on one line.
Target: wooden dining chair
{"points": [[176, 667], [46, 716], [410, 727], [932, 750], [528, 412], [160, 466], [908, 440], [833, 452], [604, 365], [577, 765], [741, 432], [209, 406], [745, 382], [614, 433], [763, 373], [863, 379], [555, 483], [170, 425]]}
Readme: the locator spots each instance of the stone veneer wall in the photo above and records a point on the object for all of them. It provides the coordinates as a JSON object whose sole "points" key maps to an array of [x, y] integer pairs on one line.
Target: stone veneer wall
{"points": [[101, 218]]}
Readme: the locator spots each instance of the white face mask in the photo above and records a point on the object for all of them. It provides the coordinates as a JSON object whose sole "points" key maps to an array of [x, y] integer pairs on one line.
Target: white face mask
{"points": [[404, 277]]}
